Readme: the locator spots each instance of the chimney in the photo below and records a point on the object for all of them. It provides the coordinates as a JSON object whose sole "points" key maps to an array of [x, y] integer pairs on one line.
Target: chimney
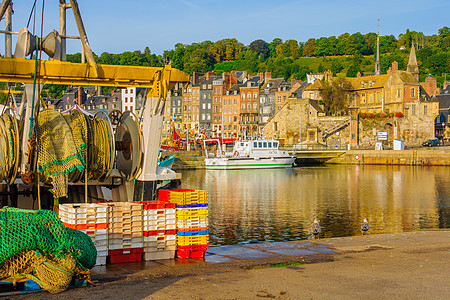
{"points": [[209, 74], [358, 75], [268, 75], [261, 77], [394, 66], [195, 76], [446, 84], [389, 72]]}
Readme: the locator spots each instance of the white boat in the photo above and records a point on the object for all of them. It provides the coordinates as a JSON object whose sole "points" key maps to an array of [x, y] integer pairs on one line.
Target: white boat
{"points": [[254, 154]]}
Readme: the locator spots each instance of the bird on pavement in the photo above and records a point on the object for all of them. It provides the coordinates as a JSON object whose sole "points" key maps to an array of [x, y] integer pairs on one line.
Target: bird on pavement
{"points": [[315, 228], [365, 226]]}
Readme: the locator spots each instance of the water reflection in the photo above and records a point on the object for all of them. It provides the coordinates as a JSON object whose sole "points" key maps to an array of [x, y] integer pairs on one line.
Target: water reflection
{"points": [[248, 206]]}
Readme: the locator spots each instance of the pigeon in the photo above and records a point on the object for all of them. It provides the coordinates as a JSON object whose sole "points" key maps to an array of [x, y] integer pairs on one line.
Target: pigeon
{"points": [[365, 226], [315, 228]]}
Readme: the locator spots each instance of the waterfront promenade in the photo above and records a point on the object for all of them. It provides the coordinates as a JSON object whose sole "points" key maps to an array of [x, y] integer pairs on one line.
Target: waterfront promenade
{"points": [[412, 265], [438, 156]]}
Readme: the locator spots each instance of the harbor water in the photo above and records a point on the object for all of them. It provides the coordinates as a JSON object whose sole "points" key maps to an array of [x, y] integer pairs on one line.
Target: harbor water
{"points": [[251, 206]]}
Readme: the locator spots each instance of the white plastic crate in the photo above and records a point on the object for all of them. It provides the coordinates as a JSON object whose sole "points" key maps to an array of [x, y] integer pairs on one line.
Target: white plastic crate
{"points": [[156, 255], [101, 260]]}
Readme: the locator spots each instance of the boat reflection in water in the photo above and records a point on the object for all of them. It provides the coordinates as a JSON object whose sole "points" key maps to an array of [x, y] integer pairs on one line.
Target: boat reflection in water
{"points": [[250, 206]]}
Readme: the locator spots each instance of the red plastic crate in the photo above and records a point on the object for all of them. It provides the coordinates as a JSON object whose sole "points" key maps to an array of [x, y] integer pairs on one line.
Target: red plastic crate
{"points": [[118, 256], [87, 226], [191, 251], [162, 232], [164, 195]]}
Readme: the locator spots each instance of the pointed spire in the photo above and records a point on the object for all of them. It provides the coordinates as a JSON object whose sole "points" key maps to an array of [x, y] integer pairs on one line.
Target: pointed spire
{"points": [[378, 63], [412, 67]]}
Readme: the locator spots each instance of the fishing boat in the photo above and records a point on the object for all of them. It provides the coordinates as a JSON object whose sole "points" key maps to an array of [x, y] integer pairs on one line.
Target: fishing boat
{"points": [[252, 154]]}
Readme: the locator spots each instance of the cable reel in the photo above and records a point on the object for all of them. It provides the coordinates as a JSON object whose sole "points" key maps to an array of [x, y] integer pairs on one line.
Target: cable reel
{"points": [[101, 114], [9, 146], [128, 146]]}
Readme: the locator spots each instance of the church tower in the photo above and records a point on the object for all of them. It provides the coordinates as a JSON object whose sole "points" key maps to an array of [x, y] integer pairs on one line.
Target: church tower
{"points": [[412, 67]]}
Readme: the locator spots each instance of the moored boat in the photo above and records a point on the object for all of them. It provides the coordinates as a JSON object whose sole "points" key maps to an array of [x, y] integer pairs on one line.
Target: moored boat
{"points": [[252, 154]]}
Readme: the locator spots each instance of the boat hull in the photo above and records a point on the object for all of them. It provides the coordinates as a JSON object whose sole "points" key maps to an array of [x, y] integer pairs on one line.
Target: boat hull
{"points": [[248, 163]]}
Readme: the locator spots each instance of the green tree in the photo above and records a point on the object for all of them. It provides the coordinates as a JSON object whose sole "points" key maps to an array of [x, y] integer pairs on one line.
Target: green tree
{"points": [[260, 47], [336, 66], [309, 47], [320, 68], [334, 93]]}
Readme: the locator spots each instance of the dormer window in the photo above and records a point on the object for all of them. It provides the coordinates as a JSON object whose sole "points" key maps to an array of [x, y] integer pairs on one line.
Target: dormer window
{"points": [[362, 84], [370, 84]]}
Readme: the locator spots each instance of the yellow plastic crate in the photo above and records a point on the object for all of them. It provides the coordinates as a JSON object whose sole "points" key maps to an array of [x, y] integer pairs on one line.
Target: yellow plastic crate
{"points": [[191, 213], [186, 198], [189, 240]]}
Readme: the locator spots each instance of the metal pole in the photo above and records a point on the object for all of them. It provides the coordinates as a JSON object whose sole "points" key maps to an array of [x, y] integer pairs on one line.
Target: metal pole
{"points": [[4, 7], [84, 41], [62, 27], [8, 36]]}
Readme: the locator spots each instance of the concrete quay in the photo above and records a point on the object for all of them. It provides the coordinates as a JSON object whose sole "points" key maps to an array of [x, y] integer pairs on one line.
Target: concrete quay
{"points": [[191, 160], [410, 265]]}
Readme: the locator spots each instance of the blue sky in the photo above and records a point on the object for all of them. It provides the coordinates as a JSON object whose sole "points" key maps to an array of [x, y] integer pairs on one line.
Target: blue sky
{"points": [[116, 26]]}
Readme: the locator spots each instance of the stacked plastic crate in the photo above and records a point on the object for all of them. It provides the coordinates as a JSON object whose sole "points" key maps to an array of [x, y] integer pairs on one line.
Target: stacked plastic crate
{"points": [[125, 232], [91, 219], [192, 220], [159, 230]]}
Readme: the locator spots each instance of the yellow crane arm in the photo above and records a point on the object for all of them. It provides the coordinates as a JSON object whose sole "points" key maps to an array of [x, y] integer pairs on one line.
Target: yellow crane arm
{"points": [[158, 79]]}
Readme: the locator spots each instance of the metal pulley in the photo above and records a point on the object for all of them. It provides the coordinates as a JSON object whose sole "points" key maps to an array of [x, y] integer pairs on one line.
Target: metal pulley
{"points": [[128, 146]]}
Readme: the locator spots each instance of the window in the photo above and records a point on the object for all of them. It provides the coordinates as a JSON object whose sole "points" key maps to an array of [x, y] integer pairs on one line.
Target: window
{"points": [[229, 110], [284, 98], [378, 97], [370, 84], [126, 99], [398, 93], [243, 107], [265, 144], [255, 106], [363, 98], [234, 127], [209, 105], [235, 101], [413, 92], [269, 144], [229, 119], [204, 96], [215, 91], [279, 98], [126, 107], [203, 116], [255, 96], [235, 110], [413, 110], [208, 117], [259, 144], [425, 110], [204, 106], [370, 98], [362, 84], [255, 145], [249, 106], [249, 96], [131, 99], [275, 126], [243, 96]]}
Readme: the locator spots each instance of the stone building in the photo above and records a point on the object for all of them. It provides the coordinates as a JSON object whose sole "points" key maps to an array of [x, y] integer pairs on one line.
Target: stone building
{"points": [[230, 114], [206, 111], [296, 122], [249, 108], [267, 99]]}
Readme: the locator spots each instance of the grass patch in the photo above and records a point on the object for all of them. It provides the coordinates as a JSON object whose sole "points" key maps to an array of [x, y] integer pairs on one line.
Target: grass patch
{"points": [[280, 265]]}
